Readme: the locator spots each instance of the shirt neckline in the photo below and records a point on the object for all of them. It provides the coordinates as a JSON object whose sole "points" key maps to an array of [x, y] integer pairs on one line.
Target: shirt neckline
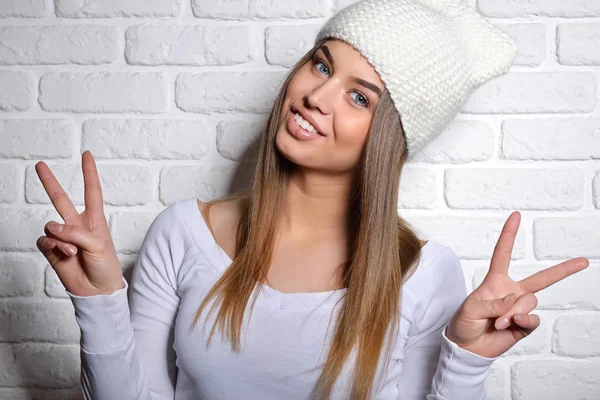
{"points": [[220, 260]]}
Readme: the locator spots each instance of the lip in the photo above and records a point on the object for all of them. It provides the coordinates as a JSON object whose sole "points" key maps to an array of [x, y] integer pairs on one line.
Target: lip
{"points": [[308, 118], [298, 132]]}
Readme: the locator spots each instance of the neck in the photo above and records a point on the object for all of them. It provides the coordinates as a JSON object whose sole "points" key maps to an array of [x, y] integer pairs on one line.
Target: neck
{"points": [[316, 205]]}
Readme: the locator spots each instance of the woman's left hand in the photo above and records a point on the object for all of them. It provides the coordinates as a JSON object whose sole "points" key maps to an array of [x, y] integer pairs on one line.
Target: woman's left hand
{"points": [[485, 325]]}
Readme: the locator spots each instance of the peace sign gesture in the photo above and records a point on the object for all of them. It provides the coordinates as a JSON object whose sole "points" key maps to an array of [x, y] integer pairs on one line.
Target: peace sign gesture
{"points": [[94, 267], [495, 316]]}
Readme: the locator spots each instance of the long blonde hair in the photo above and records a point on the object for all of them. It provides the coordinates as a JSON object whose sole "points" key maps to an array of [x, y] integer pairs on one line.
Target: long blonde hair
{"points": [[383, 248]]}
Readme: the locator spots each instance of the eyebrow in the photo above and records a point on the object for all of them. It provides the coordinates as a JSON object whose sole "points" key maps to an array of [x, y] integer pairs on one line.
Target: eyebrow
{"points": [[366, 84]]}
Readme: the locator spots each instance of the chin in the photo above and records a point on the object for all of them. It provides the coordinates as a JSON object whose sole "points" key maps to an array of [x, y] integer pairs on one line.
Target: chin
{"points": [[292, 151], [286, 146]]}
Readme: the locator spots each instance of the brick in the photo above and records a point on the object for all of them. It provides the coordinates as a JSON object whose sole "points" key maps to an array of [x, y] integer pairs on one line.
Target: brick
{"points": [[165, 44], [26, 226], [596, 189], [55, 44], [122, 185], [37, 138], [285, 45], [566, 237], [25, 9], [18, 90], [204, 182], [550, 139], [10, 180], [53, 285], [546, 8], [494, 383], [469, 237], [578, 44], [462, 141], [535, 92], [252, 92], [339, 4], [555, 379], [531, 41], [20, 275], [418, 188], [236, 140], [42, 394], [514, 188], [38, 320], [104, 92], [128, 229], [39, 365], [246, 9], [577, 336], [121, 8], [150, 139]]}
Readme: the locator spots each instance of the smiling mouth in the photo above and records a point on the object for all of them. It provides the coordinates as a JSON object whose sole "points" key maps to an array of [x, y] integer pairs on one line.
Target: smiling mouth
{"points": [[304, 124]]}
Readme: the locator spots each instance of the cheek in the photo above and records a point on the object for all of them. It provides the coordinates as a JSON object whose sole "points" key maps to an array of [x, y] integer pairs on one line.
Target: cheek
{"points": [[352, 132]]}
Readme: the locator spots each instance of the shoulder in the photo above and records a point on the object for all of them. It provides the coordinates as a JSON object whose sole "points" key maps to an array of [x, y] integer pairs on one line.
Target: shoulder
{"points": [[435, 261], [171, 225], [222, 220], [438, 283], [174, 214], [222, 214]]}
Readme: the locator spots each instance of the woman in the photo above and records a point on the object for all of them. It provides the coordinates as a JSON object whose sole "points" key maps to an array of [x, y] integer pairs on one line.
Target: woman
{"points": [[315, 239]]}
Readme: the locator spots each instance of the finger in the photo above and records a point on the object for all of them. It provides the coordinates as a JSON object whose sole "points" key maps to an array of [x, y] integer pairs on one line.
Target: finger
{"points": [[76, 235], [503, 250], [524, 304], [48, 248], [491, 308], [48, 243], [524, 325], [68, 249], [58, 197], [92, 187], [527, 321], [550, 276]]}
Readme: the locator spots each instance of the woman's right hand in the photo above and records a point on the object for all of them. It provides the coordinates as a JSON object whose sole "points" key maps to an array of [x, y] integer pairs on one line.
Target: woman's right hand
{"points": [[95, 268]]}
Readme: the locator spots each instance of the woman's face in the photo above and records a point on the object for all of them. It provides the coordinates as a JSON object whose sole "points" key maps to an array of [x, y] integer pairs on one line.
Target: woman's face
{"points": [[336, 92]]}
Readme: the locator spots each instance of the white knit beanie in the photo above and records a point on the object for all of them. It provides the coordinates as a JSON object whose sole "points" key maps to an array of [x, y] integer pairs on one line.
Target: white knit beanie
{"points": [[430, 54]]}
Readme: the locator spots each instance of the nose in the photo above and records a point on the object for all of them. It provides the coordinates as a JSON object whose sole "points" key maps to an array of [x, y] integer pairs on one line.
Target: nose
{"points": [[322, 96]]}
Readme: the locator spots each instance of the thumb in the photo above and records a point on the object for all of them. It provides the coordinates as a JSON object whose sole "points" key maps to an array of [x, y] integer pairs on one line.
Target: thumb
{"points": [[493, 308]]}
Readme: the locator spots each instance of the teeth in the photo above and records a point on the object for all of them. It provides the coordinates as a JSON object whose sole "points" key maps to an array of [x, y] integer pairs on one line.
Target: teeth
{"points": [[304, 123]]}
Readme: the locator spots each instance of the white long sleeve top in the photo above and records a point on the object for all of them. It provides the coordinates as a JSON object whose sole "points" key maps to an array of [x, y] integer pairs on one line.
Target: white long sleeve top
{"points": [[142, 347]]}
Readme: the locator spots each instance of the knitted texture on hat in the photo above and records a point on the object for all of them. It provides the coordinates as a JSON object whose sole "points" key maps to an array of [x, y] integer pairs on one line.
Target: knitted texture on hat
{"points": [[430, 54]]}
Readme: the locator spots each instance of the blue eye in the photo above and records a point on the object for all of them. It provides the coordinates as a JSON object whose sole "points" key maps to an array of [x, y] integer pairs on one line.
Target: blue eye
{"points": [[360, 95], [365, 101], [320, 62]]}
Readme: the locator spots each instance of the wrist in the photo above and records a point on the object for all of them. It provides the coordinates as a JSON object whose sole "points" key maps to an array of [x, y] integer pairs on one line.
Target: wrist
{"points": [[460, 343]]}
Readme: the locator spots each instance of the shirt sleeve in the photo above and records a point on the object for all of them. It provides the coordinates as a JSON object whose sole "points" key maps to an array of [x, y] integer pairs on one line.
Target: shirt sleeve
{"points": [[434, 367], [127, 344]]}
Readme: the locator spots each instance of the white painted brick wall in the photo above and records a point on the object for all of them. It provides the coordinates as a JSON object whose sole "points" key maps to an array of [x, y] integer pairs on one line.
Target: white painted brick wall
{"points": [[577, 336], [56, 44], [171, 95]]}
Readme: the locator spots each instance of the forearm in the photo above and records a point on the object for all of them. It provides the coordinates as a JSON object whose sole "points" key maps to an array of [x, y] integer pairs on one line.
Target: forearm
{"points": [[110, 367], [460, 374]]}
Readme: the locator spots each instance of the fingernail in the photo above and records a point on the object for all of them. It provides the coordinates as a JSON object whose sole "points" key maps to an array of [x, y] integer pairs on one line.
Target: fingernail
{"points": [[506, 298], [519, 317], [502, 323], [54, 227], [72, 250]]}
